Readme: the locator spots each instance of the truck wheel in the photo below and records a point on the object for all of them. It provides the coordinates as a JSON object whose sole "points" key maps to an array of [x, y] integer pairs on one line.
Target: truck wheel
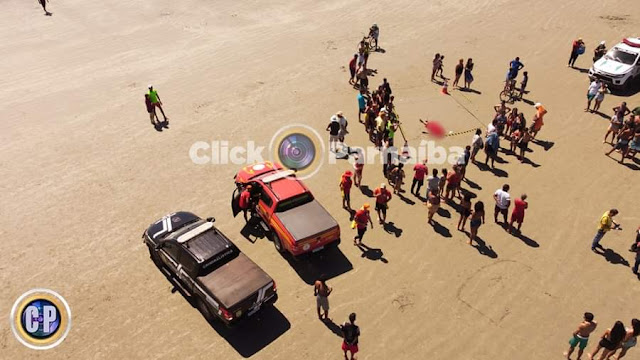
{"points": [[204, 309], [277, 243]]}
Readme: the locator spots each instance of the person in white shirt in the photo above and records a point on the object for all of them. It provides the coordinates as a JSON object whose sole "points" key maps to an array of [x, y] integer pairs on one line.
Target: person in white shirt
{"points": [[433, 182], [476, 144], [503, 201], [340, 119], [492, 128], [592, 92]]}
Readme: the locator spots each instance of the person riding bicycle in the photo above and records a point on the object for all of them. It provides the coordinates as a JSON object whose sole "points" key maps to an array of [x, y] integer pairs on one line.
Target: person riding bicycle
{"points": [[374, 33]]}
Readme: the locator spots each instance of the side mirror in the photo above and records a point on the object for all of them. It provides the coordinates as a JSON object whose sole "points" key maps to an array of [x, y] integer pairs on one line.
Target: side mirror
{"points": [[211, 219], [158, 246]]}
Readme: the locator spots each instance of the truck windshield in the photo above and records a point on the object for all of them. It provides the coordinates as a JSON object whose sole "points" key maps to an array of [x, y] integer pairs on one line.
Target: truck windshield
{"points": [[294, 202], [218, 260], [622, 57]]}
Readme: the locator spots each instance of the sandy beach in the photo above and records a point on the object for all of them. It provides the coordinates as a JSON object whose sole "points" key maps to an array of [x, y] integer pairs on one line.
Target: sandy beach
{"points": [[83, 173]]}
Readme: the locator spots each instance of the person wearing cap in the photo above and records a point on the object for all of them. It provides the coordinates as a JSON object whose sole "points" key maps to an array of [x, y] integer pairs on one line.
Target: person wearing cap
{"points": [[151, 110], [538, 119], [383, 196], [606, 223], [343, 129], [345, 188], [333, 128], [245, 201], [155, 100], [361, 218], [576, 47], [599, 51]]}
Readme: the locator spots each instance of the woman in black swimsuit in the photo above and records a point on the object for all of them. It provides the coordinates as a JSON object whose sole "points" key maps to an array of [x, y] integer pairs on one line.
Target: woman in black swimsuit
{"points": [[477, 218], [465, 211], [610, 340]]}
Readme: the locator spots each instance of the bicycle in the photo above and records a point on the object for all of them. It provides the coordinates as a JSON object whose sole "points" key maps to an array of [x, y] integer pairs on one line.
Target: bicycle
{"points": [[510, 93]]}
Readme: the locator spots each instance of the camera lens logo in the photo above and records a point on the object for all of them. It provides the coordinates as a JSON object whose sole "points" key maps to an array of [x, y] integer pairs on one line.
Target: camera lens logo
{"points": [[40, 319], [298, 147]]}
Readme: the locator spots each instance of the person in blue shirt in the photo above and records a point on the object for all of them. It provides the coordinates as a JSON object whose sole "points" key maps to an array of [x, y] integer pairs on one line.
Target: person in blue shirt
{"points": [[514, 66], [362, 104]]}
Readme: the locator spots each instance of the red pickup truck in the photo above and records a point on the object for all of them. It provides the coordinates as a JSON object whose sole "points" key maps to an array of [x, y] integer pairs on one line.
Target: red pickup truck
{"points": [[294, 220]]}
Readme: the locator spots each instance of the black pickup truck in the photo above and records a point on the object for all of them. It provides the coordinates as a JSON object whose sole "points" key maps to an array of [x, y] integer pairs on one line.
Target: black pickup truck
{"points": [[222, 282]]}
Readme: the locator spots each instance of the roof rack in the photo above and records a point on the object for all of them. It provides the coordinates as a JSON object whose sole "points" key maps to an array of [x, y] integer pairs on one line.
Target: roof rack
{"points": [[277, 176], [194, 232]]}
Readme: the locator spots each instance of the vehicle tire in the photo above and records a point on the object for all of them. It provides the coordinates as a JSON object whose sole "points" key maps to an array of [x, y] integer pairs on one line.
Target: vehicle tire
{"points": [[277, 243], [204, 309]]}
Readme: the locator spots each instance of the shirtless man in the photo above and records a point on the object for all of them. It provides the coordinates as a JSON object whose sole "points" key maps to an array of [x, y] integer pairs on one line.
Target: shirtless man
{"points": [[502, 108], [321, 291], [581, 335]]}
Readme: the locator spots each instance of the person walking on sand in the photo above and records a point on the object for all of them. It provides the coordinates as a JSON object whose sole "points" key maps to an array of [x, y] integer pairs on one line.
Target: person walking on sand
{"points": [[343, 131], [155, 100], [382, 196], [477, 219], [606, 223], [436, 65], [476, 144], [458, 72], [580, 337], [397, 174], [517, 215], [352, 68], [592, 91], [350, 336], [360, 220], [345, 188], [321, 291], [334, 129], [538, 119], [630, 340], [465, 211], [419, 170], [358, 166], [468, 76], [610, 340], [362, 104], [577, 48], [151, 110], [433, 182], [433, 204], [43, 3], [503, 201]]}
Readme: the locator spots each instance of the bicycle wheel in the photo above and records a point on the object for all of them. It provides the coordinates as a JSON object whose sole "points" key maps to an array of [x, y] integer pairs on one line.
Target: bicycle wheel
{"points": [[505, 95]]}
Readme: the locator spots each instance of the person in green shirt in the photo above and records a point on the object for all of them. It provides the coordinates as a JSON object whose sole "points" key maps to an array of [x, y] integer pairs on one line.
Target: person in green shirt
{"points": [[155, 100], [606, 223]]}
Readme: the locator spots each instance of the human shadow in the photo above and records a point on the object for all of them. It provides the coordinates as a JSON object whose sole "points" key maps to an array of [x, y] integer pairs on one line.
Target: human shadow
{"points": [[329, 262], [528, 102], [391, 228], [483, 248], [582, 70], [530, 162], [472, 184], [546, 145], [444, 212], [466, 192], [335, 328], [380, 50], [372, 253], [158, 127], [499, 172], [364, 189], [602, 115], [631, 166], [611, 256], [406, 199], [440, 229], [250, 335], [351, 212], [525, 239], [463, 89]]}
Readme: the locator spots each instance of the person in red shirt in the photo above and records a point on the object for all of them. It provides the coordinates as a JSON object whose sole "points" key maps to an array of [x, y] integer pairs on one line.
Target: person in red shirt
{"points": [[418, 176], [361, 218], [518, 212], [245, 201], [345, 187], [352, 68], [453, 183], [382, 198]]}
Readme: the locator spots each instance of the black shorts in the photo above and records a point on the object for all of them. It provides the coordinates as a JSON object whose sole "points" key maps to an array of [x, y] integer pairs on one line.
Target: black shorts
{"points": [[361, 110], [502, 211], [622, 145], [523, 145], [353, 72], [361, 232], [607, 344], [381, 207]]}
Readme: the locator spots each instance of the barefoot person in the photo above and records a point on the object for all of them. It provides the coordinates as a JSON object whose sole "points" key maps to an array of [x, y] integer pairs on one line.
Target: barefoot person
{"points": [[458, 72], [436, 66], [592, 91], [523, 143], [614, 128], [155, 100], [519, 206], [606, 223], [360, 220], [581, 335], [321, 291], [350, 335], [465, 211], [468, 76], [503, 201], [538, 119], [382, 196], [433, 204], [477, 219], [610, 340], [352, 68]]}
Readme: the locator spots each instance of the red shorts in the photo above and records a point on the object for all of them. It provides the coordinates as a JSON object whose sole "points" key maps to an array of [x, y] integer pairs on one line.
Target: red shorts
{"points": [[353, 348], [519, 218]]}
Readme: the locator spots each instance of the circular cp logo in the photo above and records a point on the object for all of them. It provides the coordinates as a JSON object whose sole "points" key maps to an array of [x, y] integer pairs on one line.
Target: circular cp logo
{"points": [[40, 319], [298, 147]]}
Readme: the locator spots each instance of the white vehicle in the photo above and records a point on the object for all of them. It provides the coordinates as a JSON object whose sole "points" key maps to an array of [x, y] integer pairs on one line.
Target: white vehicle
{"points": [[620, 66]]}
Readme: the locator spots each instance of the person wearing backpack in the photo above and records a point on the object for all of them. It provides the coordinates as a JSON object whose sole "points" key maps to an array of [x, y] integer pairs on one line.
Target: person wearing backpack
{"points": [[350, 335]]}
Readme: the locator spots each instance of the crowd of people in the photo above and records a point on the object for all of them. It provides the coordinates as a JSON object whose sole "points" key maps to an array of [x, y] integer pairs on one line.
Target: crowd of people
{"points": [[612, 339]]}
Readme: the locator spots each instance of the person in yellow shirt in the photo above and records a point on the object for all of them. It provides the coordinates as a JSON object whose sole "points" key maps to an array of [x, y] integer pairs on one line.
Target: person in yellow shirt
{"points": [[606, 223]]}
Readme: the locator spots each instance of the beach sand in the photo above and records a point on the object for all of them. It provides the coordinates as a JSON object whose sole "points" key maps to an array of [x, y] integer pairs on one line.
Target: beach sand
{"points": [[83, 173]]}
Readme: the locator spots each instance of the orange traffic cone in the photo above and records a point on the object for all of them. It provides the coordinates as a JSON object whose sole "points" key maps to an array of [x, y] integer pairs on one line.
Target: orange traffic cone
{"points": [[444, 90]]}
